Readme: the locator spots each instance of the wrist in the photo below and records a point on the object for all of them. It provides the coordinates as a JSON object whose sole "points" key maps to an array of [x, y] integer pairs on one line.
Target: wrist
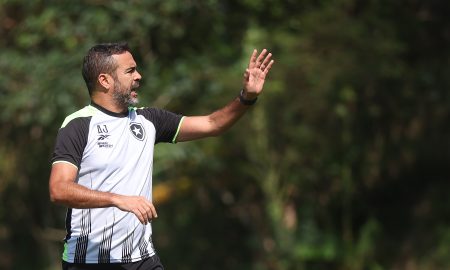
{"points": [[115, 200], [245, 99]]}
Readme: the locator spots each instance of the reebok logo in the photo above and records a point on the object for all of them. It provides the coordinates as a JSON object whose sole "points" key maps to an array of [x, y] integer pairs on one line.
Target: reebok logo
{"points": [[102, 137]]}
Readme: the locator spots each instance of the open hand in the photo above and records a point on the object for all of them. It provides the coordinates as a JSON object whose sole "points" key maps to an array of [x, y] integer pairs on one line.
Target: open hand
{"points": [[255, 74]]}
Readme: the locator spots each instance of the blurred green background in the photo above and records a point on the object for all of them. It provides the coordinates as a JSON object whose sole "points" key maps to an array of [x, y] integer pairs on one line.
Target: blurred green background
{"points": [[342, 164]]}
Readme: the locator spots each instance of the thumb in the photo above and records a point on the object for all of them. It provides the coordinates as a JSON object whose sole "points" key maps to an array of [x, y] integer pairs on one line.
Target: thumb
{"points": [[246, 74]]}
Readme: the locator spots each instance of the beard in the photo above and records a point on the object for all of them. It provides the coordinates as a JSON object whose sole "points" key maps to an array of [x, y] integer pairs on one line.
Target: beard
{"points": [[122, 95]]}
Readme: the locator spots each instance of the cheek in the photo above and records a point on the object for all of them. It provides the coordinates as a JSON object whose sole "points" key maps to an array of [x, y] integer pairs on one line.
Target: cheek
{"points": [[128, 80]]}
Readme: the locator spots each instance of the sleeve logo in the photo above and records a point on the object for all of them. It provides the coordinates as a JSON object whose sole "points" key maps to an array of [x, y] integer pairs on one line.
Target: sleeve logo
{"points": [[138, 131]]}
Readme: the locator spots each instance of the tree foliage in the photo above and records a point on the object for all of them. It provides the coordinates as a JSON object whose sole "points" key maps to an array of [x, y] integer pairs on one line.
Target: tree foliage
{"points": [[340, 165]]}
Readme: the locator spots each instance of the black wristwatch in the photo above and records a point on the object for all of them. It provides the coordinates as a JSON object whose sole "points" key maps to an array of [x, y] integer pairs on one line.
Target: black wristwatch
{"points": [[244, 101]]}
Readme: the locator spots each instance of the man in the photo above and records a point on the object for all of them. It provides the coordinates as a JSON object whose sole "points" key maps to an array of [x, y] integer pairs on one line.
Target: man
{"points": [[103, 158]]}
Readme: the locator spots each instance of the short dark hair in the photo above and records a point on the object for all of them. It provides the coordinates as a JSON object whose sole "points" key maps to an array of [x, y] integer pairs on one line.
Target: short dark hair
{"points": [[99, 60]]}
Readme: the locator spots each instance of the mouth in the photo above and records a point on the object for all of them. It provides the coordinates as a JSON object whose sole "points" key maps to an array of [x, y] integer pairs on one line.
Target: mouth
{"points": [[134, 88]]}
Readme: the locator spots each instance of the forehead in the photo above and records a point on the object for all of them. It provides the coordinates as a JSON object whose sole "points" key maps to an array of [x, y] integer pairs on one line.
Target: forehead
{"points": [[124, 60]]}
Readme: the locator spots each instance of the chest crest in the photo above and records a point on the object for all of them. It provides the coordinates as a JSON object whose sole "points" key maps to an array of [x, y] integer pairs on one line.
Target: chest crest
{"points": [[137, 130]]}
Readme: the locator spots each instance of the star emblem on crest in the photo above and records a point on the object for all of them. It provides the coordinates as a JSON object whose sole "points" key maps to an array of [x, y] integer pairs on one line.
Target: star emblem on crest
{"points": [[137, 130]]}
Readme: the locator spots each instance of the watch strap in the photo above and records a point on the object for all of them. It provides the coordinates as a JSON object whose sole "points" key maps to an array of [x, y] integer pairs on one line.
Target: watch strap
{"points": [[244, 101]]}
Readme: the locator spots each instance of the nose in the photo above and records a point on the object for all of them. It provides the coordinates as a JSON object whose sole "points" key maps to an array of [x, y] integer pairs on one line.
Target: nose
{"points": [[138, 76]]}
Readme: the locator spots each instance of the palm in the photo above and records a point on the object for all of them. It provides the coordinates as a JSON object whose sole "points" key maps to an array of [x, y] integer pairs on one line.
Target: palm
{"points": [[255, 81]]}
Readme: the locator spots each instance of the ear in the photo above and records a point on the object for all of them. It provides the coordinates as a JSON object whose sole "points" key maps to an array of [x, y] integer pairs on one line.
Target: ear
{"points": [[105, 80]]}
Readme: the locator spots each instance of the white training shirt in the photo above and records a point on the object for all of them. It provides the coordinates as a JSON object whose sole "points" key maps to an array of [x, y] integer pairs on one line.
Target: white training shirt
{"points": [[113, 153]]}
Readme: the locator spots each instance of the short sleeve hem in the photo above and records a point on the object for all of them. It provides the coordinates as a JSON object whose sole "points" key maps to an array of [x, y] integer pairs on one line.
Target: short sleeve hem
{"points": [[174, 140], [64, 161]]}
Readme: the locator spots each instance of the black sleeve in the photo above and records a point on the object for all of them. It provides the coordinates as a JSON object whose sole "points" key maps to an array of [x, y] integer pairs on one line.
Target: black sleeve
{"points": [[166, 123], [71, 141]]}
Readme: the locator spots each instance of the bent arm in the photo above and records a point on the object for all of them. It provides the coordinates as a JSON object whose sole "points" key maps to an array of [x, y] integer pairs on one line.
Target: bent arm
{"points": [[64, 190]]}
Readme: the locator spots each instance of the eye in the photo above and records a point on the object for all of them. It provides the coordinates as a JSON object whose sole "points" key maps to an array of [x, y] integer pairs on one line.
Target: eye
{"points": [[131, 70]]}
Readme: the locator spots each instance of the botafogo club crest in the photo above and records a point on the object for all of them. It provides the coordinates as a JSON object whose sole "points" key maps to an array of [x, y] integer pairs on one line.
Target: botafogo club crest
{"points": [[137, 130]]}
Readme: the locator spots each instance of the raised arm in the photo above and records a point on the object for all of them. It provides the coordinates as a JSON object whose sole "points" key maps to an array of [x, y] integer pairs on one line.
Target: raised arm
{"points": [[196, 127]]}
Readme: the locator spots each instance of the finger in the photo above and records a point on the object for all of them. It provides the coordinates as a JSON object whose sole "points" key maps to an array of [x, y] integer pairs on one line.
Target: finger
{"points": [[246, 74], [138, 213], [150, 210], [266, 61], [269, 66], [147, 213], [251, 63], [260, 58], [153, 211]]}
